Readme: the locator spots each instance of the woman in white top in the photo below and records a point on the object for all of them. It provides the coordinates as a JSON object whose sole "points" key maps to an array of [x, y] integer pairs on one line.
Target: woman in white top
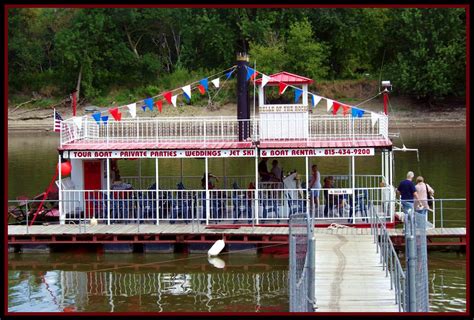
{"points": [[422, 188], [314, 186]]}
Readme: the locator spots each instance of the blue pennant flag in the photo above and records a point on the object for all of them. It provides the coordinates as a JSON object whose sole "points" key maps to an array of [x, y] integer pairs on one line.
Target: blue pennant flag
{"points": [[204, 83], [228, 74], [96, 117], [105, 118], [149, 103], [188, 99], [144, 108], [250, 72], [298, 93], [360, 113], [357, 113]]}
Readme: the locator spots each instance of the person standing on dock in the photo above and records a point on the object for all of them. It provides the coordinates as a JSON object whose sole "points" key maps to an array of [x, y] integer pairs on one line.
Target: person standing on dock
{"points": [[315, 186], [265, 176], [423, 190], [407, 191]]}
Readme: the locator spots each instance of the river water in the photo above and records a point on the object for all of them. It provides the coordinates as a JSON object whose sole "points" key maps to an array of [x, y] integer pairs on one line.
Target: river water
{"points": [[178, 282]]}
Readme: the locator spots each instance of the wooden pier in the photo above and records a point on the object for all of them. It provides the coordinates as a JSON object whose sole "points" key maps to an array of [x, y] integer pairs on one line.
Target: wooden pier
{"points": [[194, 233], [349, 275]]}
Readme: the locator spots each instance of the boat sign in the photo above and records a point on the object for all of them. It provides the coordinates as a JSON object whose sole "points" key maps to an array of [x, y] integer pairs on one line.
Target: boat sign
{"points": [[124, 154], [340, 191], [320, 152]]}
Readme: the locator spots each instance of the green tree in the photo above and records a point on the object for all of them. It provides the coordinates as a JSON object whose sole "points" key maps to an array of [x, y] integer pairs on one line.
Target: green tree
{"points": [[306, 56], [427, 52]]}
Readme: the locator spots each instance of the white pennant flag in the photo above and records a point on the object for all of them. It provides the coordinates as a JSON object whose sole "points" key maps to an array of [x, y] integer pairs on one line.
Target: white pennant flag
{"points": [[215, 82], [187, 90], [316, 100], [132, 108], [78, 122], [265, 80], [329, 106], [173, 100], [374, 117]]}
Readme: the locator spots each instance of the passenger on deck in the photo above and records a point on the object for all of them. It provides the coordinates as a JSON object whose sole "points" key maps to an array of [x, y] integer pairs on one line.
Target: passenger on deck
{"points": [[422, 189], [276, 172], [265, 176], [314, 186], [210, 182]]}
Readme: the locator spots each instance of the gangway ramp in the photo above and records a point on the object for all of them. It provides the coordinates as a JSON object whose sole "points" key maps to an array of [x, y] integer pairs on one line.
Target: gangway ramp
{"points": [[349, 274]]}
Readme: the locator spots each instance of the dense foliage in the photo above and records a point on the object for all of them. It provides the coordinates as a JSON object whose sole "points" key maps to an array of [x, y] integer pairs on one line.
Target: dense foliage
{"points": [[50, 50]]}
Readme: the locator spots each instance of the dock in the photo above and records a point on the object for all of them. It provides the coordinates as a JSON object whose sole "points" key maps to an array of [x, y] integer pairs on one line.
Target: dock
{"points": [[349, 275]]}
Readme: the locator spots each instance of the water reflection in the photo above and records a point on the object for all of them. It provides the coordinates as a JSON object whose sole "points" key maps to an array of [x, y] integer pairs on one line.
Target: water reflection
{"points": [[251, 286]]}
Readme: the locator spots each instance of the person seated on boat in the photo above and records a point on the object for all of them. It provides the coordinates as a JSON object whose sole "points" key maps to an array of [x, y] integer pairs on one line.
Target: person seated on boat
{"points": [[265, 175], [276, 173], [118, 184], [329, 200], [210, 181]]}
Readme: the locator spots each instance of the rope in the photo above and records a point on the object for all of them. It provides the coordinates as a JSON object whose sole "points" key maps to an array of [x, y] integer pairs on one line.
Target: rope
{"points": [[176, 260]]}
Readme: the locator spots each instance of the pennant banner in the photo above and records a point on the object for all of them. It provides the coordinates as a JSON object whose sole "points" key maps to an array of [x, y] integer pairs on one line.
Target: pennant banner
{"points": [[187, 92], [228, 74], [204, 83], [132, 108], [167, 96], [173, 100], [357, 113], [254, 76], [149, 103], [329, 104], [282, 87], [315, 99], [96, 117], [298, 93], [250, 72], [159, 105], [105, 119], [345, 109], [215, 82], [201, 88], [265, 79], [116, 114], [144, 108], [78, 122], [335, 107]]}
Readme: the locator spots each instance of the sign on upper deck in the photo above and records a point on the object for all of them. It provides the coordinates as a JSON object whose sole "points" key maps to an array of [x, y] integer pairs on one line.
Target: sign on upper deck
{"points": [[124, 154], [320, 152]]}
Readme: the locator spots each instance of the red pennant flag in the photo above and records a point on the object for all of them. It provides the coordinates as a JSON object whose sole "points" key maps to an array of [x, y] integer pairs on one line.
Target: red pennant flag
{"points": [[254, 75], [335, 107], [201, 88], [116, 114], [345, 109], [282, 87], [167, 96], [159, 105]]}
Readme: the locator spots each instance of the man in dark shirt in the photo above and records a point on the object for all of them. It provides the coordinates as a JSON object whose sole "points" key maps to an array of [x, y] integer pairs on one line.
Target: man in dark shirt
{"points": [[407, 191]]}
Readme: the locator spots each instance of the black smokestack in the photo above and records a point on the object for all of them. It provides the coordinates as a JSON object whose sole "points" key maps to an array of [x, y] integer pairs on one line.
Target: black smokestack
{"points": [[243, 106]]}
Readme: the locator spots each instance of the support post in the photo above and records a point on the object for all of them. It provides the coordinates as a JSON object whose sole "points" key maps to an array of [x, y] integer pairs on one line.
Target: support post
{"points": [[108, 190], [353, 188], [312, 272], [308, 204], [208, 202], [156, 192], [62, 216], [257, 209], [140, 172], [410, 260], [243, 108], [389, 183]]}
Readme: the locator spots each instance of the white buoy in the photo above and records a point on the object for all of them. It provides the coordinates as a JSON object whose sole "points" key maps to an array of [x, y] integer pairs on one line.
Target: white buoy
{"points": [[216, 248], [216, 262]]}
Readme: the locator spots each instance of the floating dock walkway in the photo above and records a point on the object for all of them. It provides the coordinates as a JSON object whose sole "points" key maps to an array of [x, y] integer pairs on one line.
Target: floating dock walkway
{"points": [[349, 275]]}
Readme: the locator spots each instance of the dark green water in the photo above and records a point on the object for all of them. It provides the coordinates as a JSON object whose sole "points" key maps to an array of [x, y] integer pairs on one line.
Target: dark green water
{"points": [[40, 283]]}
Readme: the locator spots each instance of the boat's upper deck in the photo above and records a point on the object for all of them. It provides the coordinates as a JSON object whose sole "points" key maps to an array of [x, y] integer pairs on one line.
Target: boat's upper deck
{"points": [[312, 131]]}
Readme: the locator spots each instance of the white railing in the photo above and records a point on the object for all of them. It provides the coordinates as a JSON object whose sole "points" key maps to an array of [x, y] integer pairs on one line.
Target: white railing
{"points": [[222, 206], [192, 130]]}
